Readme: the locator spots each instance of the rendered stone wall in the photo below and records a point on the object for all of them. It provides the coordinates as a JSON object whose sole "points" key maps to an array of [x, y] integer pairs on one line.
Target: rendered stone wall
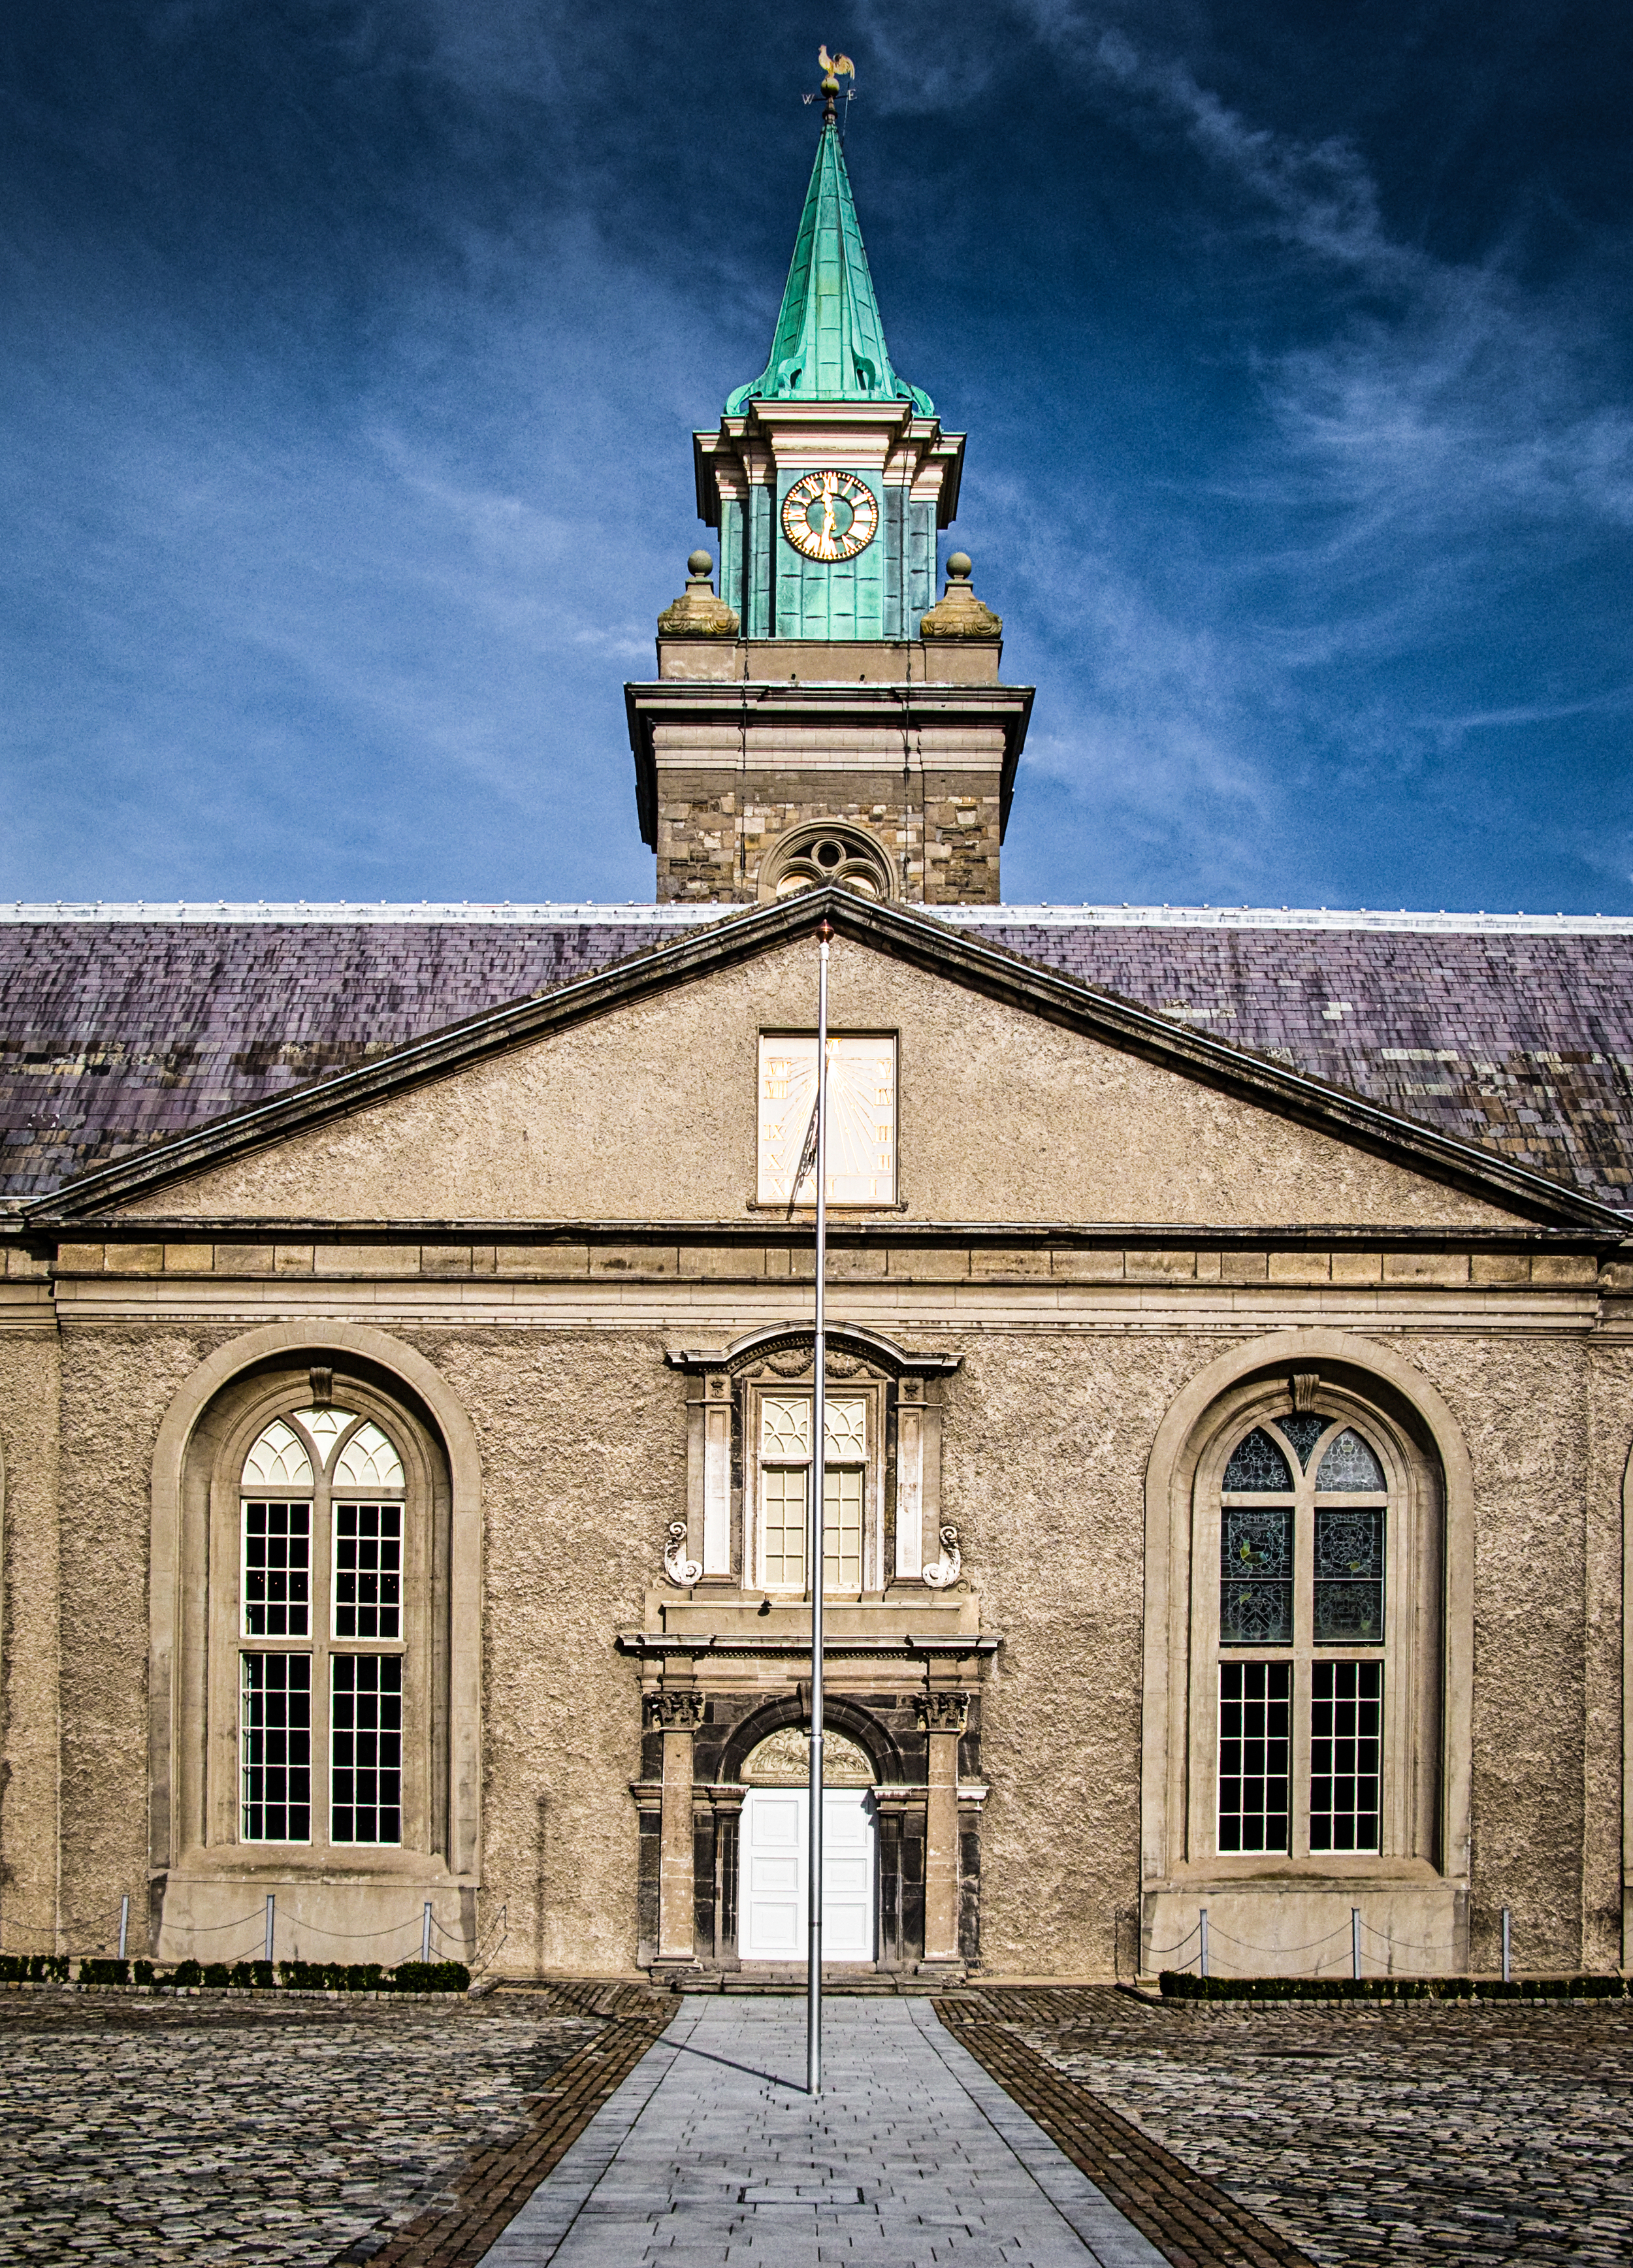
{"points": [[1606, 1940], [1046, 1432], [1523, 1404], [29, 1627], [584, 1452], [118, 1382]]}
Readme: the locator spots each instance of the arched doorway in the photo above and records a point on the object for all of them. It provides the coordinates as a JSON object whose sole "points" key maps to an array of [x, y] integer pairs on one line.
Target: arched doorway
{"points": [[774, 1862]]}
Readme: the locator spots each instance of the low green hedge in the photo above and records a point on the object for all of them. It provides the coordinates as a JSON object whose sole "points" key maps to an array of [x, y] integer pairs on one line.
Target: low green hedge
{"points": [[33, 1968], [1181, 1985], [261, 1976]]}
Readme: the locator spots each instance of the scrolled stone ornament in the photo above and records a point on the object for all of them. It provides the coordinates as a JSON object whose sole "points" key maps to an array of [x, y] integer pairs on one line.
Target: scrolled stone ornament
{"points": [[945, 1571], [681, 1571]]}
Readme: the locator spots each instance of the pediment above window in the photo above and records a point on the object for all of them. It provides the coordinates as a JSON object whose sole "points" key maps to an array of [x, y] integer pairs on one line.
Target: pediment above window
{"points": [[789, 1350]]}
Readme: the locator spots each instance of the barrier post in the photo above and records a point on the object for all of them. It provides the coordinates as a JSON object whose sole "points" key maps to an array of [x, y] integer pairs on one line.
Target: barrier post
{"points": [[1203, 1955], [124, 1923], [271, 1922], [425, 1933], [1507, 1946], [1355, 1941]]}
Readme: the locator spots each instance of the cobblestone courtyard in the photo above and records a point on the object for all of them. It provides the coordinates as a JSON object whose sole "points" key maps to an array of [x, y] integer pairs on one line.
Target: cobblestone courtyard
{"points": [[1447, 2133], [147, 2130], [158, 2130]]}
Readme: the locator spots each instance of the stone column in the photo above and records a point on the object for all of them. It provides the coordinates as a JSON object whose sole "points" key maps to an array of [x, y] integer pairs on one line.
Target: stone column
{"points": [[678, 1711], [941, 1716]]}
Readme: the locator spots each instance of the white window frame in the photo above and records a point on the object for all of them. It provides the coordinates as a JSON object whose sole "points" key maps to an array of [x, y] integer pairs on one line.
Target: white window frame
{"points": [[321, 1644], [870, 1394]]}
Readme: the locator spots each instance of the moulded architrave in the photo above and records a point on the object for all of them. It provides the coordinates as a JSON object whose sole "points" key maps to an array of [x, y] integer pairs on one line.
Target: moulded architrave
{"points": [[459, 1439], [1410, 1820], [1164, 1762]]}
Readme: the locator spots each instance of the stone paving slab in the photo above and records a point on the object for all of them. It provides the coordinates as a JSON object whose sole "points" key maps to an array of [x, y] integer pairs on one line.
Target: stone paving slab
{"points": [[712, 2152]]}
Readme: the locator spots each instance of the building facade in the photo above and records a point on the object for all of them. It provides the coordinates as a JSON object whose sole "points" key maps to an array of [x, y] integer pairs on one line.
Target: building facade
{"points": [[408, 1424]]}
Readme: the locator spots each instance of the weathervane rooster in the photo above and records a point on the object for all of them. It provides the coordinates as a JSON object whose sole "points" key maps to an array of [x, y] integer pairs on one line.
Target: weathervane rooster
{"points": [[834, 68]]}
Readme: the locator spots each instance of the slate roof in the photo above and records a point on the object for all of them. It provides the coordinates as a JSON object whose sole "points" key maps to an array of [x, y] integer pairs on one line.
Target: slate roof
{"points": [[119, 1030]]}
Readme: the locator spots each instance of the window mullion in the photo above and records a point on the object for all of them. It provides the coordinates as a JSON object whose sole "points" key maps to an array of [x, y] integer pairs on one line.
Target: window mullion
{"points": [[322, 1628], [1304, 1625]]}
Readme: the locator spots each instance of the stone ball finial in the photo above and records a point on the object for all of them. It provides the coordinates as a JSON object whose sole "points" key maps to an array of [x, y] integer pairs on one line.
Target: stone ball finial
{"points": [[961, 614], [697, 613]]}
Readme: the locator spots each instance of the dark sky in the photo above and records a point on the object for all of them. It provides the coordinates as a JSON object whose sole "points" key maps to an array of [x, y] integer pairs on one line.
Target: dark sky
{"points": [[350, 353]]}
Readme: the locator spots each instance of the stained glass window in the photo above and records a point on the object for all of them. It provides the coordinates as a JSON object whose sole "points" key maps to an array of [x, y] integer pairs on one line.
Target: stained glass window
{"points": [[1256, 1464], [1255, 1735], [1346, 1755], [368, 1462], [1350, 1465], [1348, 1574], [1256, 1574], [275, 1748], [1315, 1588], [326, 1424], [365, 1747], [1303, 1430]]}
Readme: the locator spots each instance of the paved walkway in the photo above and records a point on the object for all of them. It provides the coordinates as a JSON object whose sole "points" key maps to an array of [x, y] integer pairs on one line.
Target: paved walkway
{"points": [[712, 2152]]}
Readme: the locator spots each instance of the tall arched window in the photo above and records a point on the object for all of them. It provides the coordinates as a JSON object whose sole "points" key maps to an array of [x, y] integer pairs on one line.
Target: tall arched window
{"points": [[324, 1658], [1313, 1590]]}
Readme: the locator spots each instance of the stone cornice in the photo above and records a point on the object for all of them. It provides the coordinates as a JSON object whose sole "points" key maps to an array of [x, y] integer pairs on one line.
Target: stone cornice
{"points": [[895, 707], [770, 1228]]}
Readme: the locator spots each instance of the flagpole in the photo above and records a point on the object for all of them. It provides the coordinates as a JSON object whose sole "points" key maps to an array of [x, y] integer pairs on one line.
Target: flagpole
{"points": [[819, 1481]]}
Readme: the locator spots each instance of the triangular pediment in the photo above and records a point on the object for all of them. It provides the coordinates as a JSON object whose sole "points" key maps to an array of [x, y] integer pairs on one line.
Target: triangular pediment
{"points": [[1023, 1096]]}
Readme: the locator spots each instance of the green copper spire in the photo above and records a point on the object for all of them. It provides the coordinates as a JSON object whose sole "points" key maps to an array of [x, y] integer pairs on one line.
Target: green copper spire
{"points": [[829, 344]]}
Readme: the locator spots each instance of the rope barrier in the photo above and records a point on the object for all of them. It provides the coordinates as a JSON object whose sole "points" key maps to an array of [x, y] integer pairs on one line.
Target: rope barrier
{"points": [[1224, 1937], [1400, 1944], [213, 1928], [1159, 1952], [1391, 1946], [358, 1936], [481, 1960]]}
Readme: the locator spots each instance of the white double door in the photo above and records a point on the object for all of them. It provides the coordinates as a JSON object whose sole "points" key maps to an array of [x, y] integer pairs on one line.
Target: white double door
{"points": [[773, 1874]]}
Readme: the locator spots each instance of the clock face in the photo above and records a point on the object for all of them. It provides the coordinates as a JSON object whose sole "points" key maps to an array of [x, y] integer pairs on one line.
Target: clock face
{"points": [[830, 515]]}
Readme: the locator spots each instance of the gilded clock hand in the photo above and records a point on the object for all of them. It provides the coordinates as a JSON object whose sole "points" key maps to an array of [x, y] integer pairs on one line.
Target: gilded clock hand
{"points": [[827, 522]]}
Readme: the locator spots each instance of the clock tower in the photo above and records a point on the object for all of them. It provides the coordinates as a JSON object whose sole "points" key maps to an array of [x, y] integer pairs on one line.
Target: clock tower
{"points": [[823, 719]]}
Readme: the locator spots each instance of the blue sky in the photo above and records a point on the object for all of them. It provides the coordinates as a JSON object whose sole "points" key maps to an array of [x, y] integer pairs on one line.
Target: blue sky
{"points": [[352, 351]]}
